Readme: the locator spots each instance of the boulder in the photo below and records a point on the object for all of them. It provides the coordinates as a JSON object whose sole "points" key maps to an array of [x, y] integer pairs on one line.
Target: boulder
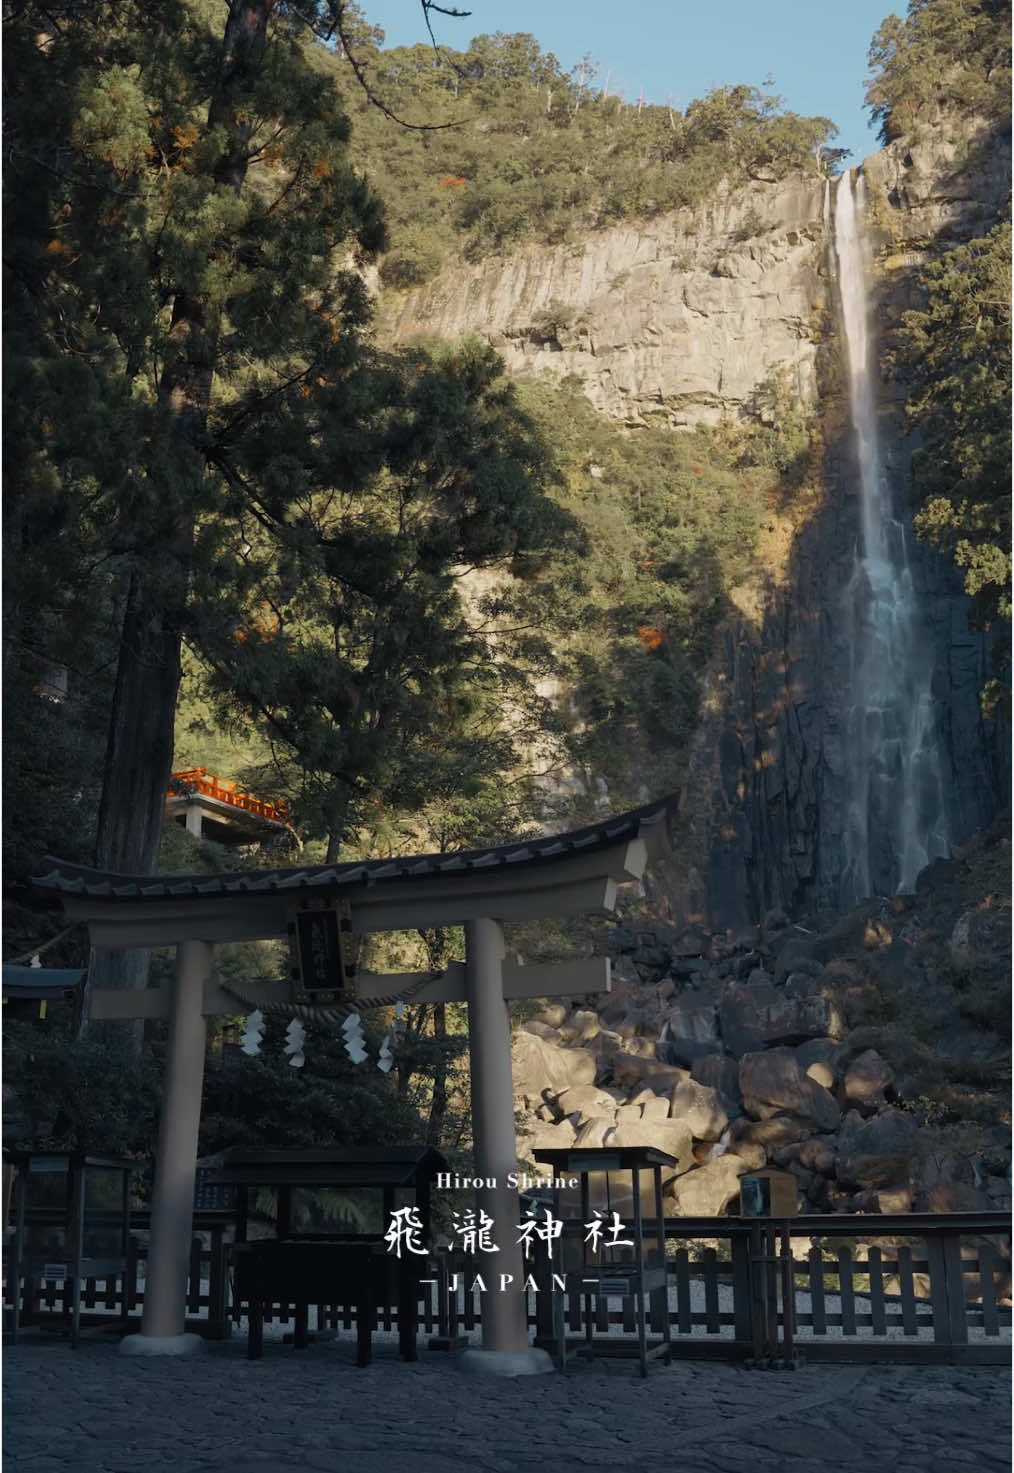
{"points": [[772, 1083], [796, 949], [699, 1108], [693, 1018], [742, 966], [770, 1134], [605, 1044], [752, 1155], [541, 1030], [684, 1052], [707, 1190], [818, 1156], [822, 1059], [821, 1074], [775, 920], [801, 984], [631, 1072], [895, 1199], [804, 1179], [691, 943], [586, 1101], [942, 1168], [758, 1014], [689, 966], [878, 1152], [722, 1075], [582, 1025], [740, 1020], [759, 977], [541, 1069], [656, 1109], [627, 1113], [956, 1198], [594, 1131], [553, 1015], [549, 1137], [641, 1048], [615, 1010], [866, 1079], [891, 1132], [671, 1136]]}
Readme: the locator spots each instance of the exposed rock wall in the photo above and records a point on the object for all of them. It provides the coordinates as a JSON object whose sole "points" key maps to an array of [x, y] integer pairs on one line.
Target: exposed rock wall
{"points": [[679, 321], [770, 759]]}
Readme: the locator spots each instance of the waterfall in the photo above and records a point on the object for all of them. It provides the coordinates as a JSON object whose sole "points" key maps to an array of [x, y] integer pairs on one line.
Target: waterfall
{"points": [[896, 819]]}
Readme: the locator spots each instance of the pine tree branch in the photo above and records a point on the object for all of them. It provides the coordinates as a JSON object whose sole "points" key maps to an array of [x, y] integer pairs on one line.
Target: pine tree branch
{"points": [[359, 72]]}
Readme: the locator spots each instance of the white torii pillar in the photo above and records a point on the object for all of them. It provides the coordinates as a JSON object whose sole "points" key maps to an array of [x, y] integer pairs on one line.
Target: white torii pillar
{"points": [[485, 983], [584, 870], [505, 1350], [163, 1320]]}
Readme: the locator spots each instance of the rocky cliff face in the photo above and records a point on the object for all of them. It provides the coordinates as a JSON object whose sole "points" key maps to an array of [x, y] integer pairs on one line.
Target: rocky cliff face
{"points": [[770, 830], [678, 319], [681, 320]]}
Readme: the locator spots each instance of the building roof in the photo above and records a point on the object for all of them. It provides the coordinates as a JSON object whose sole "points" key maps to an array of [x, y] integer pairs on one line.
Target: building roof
{"points": [[60, 878], [41, 982], [560, 874], [346, 1166]]}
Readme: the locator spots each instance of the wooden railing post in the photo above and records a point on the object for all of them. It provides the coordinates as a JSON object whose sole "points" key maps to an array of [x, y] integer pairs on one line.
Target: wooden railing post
{"points": [[742, 1321], [954, 1272]]}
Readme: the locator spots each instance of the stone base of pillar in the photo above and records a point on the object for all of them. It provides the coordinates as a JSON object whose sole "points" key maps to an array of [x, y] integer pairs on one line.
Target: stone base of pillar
{"points": [[162, 1345], [506, 1362]]}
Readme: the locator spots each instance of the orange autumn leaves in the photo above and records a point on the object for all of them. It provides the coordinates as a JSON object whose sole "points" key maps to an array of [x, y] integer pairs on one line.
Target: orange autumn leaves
{"points": [[650, 637]]}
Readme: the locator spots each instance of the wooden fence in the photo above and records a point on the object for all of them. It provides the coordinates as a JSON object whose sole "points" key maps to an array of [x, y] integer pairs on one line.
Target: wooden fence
{"points": [[909, 1288]]}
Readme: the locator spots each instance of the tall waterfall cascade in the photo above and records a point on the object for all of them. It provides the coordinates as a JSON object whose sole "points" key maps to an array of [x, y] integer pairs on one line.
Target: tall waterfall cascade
{"points": [[896, 820]]}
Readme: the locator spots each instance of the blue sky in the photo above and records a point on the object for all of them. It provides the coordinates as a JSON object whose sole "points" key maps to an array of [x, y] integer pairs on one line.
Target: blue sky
{"points": [[815, 51]]}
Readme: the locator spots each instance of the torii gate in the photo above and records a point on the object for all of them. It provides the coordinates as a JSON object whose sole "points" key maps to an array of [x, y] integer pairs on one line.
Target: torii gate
{"points": [[565, 874]]}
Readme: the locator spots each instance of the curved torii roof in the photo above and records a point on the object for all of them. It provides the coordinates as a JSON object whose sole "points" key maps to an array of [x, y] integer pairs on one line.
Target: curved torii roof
{"points": [[562, 874]]}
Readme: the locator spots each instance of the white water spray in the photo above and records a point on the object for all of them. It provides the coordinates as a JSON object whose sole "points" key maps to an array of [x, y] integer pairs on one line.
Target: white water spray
{"points": [[896, 814]]}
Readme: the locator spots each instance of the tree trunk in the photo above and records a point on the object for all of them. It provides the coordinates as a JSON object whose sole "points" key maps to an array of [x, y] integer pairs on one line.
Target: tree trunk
{"points": [[140, 745]]}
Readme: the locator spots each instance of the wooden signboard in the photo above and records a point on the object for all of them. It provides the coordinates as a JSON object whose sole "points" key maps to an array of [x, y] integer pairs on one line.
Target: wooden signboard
{"points": [[322, 965]]}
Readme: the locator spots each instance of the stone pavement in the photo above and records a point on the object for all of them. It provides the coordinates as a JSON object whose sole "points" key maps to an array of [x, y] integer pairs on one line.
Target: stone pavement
{"points": [[93, 1411]]}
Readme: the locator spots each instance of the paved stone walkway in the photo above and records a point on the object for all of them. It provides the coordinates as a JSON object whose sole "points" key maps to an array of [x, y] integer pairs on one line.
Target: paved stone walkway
{"points": [[93, 1411]]}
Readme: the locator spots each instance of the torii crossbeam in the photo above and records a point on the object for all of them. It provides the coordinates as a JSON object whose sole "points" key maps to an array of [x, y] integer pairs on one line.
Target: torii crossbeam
{"points": [[564, 874]]}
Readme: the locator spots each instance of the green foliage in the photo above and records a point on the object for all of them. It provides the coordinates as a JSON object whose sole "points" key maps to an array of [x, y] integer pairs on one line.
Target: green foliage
{"points": [[669, 522], [958, 351], [537, 152], [264, 1102], [949, 54], [83, 1095], [364, 661]]}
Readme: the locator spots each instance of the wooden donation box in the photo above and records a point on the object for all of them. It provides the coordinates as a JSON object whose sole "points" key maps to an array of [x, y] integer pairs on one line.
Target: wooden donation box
{"points": [[768, 1193], [611, 1245], [331, 1209]]}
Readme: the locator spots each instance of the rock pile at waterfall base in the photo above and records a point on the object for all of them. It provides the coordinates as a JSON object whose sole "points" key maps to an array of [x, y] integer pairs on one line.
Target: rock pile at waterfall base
{"points": [[866, 1053]]}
